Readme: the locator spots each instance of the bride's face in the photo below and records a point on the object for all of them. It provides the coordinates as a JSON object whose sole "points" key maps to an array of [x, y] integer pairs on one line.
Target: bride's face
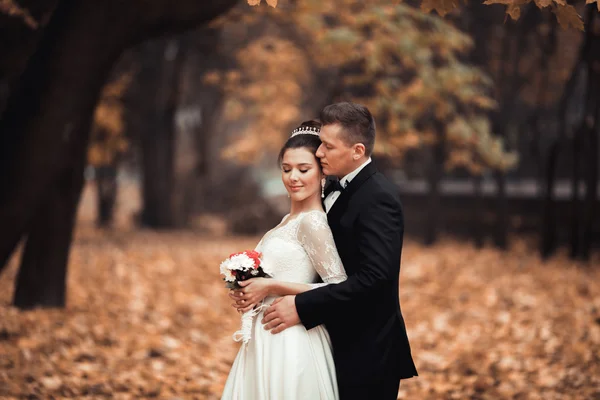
{"points": [[301, 174]]}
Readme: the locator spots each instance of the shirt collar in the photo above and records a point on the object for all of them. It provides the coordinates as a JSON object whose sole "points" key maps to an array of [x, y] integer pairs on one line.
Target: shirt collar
{"points": [[346, 179]]}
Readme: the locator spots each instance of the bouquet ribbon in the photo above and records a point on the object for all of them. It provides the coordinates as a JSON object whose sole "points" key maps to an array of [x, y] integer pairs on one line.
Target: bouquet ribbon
{"points": [[245, 333]]}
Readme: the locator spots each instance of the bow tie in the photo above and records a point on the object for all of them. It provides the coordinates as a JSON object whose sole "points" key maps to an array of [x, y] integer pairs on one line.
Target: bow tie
{"points": [[333, 187], [337, 186]]}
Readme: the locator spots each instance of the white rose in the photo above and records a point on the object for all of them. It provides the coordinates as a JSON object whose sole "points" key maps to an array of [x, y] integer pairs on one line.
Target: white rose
{"points": [[225, 269], [242, 262]]}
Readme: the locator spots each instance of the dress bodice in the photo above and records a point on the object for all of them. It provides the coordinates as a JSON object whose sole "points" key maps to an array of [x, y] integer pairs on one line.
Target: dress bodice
{"points": [[301, 249]]}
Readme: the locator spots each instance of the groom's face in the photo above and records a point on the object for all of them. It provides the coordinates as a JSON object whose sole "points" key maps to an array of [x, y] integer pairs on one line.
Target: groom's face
{"points": [[335, 155]]}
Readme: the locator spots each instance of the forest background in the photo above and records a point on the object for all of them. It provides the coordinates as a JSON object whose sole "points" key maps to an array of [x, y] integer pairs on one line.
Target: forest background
{"points": [[138, 146]]}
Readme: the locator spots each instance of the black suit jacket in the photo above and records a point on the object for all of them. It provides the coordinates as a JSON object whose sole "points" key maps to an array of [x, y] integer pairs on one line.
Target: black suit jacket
{"points": [[363, 314]]}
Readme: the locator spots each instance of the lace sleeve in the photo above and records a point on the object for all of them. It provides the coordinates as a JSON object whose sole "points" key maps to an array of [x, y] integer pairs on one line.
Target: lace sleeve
{"points": [[315, 236]]}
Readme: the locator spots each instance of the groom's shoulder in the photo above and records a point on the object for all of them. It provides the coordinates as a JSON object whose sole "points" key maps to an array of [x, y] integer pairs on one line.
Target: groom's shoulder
{"points": [[379, 187]]}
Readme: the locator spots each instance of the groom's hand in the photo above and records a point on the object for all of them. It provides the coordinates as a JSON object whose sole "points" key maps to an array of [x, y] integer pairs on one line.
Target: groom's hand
{"points": [[281, 314]]}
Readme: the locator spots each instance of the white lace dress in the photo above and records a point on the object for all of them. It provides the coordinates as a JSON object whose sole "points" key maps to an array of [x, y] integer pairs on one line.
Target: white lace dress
{"points": [[294, 364]]}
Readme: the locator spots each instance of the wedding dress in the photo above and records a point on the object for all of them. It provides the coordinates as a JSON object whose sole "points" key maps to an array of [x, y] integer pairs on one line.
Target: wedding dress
{"points": [[295, 364]]}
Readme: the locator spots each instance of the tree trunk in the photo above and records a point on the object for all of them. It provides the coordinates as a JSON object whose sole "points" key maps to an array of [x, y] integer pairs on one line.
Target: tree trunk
{"points": [[509, 83], [435, 175], [577, 151], [205, 101], [590, 199], [16, 53], [158, 144], [591, 195], [548, 234], [106, 193], [50, 112], [54, 101], [41, 280], [501, 232], [477, 216]]}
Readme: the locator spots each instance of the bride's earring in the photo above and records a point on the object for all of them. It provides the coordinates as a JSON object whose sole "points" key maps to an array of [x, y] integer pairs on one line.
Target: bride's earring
{"points": [[323, 188]]}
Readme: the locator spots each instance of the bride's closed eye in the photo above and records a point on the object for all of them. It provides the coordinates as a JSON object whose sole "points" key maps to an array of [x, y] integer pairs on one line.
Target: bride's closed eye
{"points": [[301, 170]]}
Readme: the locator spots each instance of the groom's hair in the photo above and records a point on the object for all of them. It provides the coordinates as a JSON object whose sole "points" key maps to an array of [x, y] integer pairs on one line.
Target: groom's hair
{"points": [[356, 120]]}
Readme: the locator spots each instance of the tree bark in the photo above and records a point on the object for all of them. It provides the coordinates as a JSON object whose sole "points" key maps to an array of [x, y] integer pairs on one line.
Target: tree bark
{"points": [[106, 193], [591, 196], [548, 234], [196, 133], [435, 175], [501, 231], [16, 53], [584, 157], [158, 144], [41, 280], [577, 153], [49, 114], [477, 217], [51, 111], [590, 200]]}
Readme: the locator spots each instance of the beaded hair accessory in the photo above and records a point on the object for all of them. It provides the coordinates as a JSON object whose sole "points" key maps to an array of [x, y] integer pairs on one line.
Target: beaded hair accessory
{"points": [[306, 130]]}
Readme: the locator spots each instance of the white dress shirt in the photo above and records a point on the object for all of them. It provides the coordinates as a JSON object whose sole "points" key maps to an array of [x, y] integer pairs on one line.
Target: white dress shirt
{"points": [[332, 197]]}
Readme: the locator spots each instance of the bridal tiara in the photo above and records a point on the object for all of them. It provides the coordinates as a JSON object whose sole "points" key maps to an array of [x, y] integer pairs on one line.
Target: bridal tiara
{"points": [[306, 130]]}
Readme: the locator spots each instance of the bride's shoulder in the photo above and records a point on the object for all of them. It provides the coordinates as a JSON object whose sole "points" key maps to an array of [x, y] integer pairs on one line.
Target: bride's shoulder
{"points": [[314, 219], [319, 213]]}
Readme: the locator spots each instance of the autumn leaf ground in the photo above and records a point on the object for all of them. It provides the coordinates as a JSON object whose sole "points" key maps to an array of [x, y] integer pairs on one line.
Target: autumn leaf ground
{"points": [[148, 317]]}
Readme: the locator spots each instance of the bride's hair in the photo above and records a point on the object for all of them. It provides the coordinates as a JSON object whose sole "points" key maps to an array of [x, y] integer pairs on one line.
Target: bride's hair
{"points": [[308, 141]]}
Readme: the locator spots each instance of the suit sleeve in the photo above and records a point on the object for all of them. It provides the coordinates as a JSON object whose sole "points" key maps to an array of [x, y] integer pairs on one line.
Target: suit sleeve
{"points": [[379, 229]]}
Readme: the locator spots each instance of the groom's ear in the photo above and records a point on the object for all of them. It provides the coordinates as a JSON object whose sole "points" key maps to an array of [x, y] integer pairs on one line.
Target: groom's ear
{"points": [[358, 151]]}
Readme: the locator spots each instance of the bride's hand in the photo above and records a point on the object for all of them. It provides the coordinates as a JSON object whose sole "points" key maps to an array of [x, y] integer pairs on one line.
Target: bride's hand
{"points": [[240, 305], [253, 291]]}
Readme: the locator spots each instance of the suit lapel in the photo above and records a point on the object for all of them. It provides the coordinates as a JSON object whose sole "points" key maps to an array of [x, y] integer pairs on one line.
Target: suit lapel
{"points": [[359, 179], [340, 204]]}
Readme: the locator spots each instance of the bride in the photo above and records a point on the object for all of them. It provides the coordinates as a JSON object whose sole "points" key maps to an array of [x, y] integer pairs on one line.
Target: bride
{"points": [[300, 252]]}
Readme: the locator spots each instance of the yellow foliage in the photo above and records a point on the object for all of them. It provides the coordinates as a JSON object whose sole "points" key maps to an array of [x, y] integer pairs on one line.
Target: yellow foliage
{"points": [[418, 87], [108, 140], [442, 7], [272, 3], [401, 42], [568, 17], [566, 14], [265, 94]]}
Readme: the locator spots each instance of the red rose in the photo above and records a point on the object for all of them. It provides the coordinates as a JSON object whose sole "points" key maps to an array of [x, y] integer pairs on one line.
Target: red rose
{"points": [[252, 253], [255, 256]]}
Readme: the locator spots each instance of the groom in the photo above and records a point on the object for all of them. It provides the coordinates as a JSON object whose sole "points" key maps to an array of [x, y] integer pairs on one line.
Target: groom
{"points": [[362, 314]]}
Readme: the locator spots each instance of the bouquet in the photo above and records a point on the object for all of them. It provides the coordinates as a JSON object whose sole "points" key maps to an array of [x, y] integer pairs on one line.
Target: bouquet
{"points": [[240, 267]]}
